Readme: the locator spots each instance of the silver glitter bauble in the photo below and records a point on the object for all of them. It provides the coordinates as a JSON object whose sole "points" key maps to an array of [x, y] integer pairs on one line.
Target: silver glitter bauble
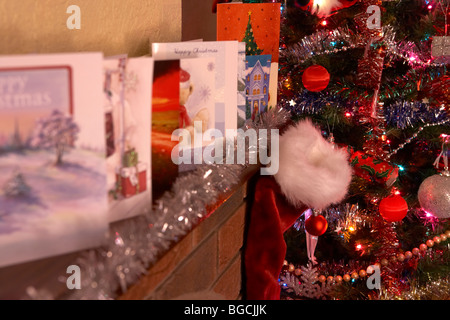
{"points": [[434, 195]]}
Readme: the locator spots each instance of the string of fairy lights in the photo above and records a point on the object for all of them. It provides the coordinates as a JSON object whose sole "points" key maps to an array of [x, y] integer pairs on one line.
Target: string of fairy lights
{"points": [[415, 135], [417, 253]]}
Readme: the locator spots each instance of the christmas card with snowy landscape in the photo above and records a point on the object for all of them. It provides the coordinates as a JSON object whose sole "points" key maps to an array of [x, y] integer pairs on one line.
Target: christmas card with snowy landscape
{"points": [[128, 104], [53, 195], [258, 25], [225, 68]]}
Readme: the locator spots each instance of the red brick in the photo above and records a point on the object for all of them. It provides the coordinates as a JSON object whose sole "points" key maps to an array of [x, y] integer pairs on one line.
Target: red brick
{"points": [[196, 273], [231, 237], [229, 284]]}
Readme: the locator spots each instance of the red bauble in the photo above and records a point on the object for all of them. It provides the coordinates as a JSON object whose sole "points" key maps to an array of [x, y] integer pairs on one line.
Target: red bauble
{"points": [[315, 78], [393, 208], [316, 225]]}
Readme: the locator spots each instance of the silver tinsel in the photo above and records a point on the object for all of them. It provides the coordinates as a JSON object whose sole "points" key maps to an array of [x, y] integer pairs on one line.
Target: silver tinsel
{"points": [[343, 39], [323, 42], [341, 217], [134, 245], [432, 290]]}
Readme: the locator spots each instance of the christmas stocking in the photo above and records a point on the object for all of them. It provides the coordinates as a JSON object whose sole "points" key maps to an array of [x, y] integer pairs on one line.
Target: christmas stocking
{"points": [[312, 174]]}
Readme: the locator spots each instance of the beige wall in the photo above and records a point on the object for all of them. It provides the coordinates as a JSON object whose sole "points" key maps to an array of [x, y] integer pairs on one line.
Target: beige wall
{"points": [[110, 26]]}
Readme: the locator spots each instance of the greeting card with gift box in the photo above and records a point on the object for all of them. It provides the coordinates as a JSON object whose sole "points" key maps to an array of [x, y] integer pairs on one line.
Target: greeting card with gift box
{"points": [[53, 195], [131, 178], [128, 103]]}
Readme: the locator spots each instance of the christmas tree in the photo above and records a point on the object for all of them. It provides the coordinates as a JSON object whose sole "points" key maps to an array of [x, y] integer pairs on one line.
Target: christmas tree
{"points": [[251, 45], [16, 186], [387, 104]]}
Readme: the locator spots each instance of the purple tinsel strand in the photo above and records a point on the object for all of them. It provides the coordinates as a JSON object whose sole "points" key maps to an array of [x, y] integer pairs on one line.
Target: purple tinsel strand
{"points": [[403, 114], [307, 103]]}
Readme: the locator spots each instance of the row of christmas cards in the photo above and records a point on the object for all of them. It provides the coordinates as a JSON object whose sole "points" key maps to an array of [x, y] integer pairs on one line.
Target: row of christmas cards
{"points": [[87, 140]]}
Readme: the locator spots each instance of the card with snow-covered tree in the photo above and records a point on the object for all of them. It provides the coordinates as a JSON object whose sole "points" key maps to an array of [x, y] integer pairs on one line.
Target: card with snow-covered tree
{"points": [[53, 196], [128, 104]]}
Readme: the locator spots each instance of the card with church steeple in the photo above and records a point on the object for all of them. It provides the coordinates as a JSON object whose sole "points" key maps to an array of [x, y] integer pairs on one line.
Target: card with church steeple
{"points": [[53, 196], [258, 25]]}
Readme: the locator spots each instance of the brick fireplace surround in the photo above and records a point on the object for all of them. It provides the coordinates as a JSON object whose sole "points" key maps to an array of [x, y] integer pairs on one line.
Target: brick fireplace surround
{"points": [[205, 264]]}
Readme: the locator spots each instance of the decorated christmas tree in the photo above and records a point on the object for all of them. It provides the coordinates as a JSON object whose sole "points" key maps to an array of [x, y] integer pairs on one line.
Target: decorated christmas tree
{"points": [[249, 38], [373, 76]]}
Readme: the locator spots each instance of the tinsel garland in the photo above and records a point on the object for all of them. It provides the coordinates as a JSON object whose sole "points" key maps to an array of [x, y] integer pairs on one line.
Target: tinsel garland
{"points": [[343, 39], [385, 235], [397, 113], [312, 103], [135, 244], [343, 219], [322, 42], [404, 114], [433, 290]]}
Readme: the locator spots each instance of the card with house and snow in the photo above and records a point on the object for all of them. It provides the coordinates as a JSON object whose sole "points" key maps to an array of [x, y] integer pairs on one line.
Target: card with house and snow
{"points": [[257, 82], [258, 25], [52, 155], [128, 104]]}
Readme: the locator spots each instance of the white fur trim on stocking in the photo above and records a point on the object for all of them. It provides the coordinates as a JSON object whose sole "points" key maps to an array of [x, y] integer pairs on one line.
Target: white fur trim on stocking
{"points": [[311, 171]]}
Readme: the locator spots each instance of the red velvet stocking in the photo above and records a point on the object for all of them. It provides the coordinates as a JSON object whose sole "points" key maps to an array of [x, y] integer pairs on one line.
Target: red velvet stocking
{"points": [[271, 215]]}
